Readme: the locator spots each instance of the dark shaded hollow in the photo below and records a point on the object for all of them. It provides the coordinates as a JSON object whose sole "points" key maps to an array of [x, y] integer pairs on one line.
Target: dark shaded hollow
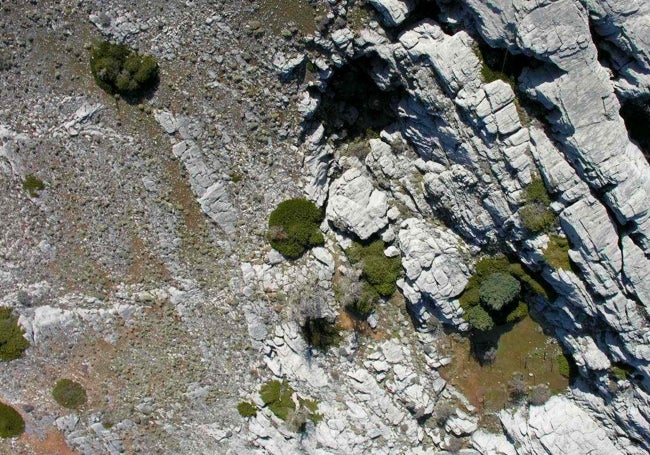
{"points": [[636, 115], [353, 104]]}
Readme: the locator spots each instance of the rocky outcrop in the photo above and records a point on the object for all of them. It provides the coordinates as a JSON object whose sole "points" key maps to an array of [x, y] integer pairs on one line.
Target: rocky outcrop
{"points": [[207, 183], [557, 427], [393, 12], [435, 271], [356, 206]]}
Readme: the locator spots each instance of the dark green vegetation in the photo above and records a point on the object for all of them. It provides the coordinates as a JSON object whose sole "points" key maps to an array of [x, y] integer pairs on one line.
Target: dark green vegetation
{"points": [[278, 397], [247, 409], [117, 69], [498, 290], [12, 341], [11, 423], [321, 333], [33, 185], [294, 227], [378, 270], [492, 295], [536, 214], [69, 394], [556, 252]]}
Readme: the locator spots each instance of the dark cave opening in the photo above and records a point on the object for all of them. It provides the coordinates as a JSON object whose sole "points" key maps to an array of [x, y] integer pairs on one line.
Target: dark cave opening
{"points": [[636, 115], [353, 105]]}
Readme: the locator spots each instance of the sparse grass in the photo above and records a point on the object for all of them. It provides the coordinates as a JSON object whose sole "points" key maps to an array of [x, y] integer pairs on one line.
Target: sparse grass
{"points": [[11, 423], [563, 365], [12, 341], [33, 185], [524, 349], [69, 394], [556, 252]]}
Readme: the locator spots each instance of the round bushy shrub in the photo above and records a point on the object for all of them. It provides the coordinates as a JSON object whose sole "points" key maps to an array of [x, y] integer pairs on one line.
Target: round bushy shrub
{"points": [[277, 396], [69, 394], [247, 409], [12, 341], [294, 227], [498, 290], [539, 395], [119, 69], [11, 423], [478, 318]]}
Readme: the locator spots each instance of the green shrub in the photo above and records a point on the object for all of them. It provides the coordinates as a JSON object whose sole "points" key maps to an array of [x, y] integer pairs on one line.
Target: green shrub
{"points": [[33, 185], [469, 298], [294, 226], [321, 333], [11, 423], [556, 252], [12, 341], [536, 192], [526, 278], [520, 312], [621, 371], [535, 214], [380, 271], [277, 396], [498, 290], [366, 302], [478, 318], [563, 365], [69, 394], [536, 217], [247, 409], [119, 69]]}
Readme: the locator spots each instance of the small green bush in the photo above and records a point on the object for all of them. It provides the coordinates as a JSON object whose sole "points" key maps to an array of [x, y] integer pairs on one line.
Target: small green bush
{"points": [[535, 214], [498, 290], [519, 313], [536, 192], [380, 271], [556, 252], [536, 217], [366, 302], [277, 396], [321, 333], [529, 280], [11, 423], [478, 318], [294, 227], [119, 69], [247, 409], [69, 394], [12, 341], [621, 371], [33, 185], [563, 365]]}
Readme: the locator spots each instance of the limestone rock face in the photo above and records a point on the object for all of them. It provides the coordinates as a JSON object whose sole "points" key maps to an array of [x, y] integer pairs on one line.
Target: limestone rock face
{"points": [[356, 206], [557, 427], [393, 12], [435, 270]]}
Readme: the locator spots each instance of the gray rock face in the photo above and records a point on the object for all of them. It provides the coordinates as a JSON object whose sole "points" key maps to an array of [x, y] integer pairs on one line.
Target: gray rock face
{"points": [[393, 12], [209, 187], [557, 427], [435, 270], [356, 206]]}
